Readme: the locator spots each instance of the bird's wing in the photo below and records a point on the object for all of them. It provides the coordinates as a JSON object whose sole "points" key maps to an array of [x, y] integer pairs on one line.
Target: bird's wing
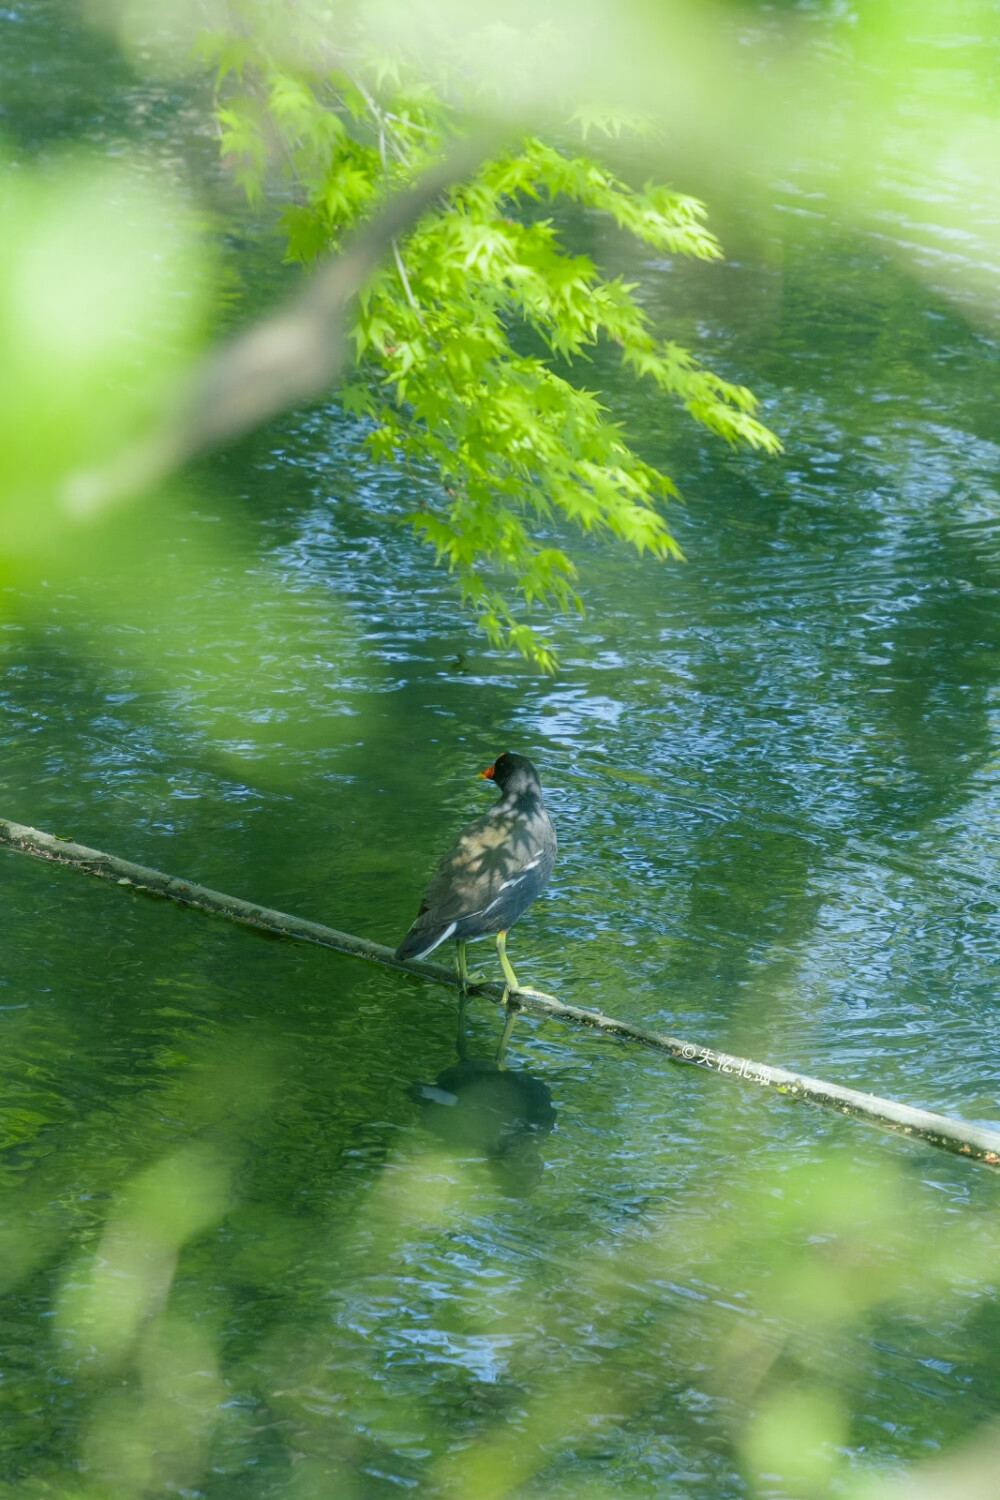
{"points": [[488, 857]]}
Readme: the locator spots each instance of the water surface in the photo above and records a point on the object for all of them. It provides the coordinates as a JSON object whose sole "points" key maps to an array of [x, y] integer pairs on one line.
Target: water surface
{"points": [[263, 1236]]}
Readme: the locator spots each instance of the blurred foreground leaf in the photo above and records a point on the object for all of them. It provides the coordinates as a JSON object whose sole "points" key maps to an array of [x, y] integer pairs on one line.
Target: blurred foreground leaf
{"points": [[104, 292]]}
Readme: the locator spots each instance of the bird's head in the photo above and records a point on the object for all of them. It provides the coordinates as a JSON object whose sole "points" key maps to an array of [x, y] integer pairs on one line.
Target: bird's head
{"points": [[511, 772]]}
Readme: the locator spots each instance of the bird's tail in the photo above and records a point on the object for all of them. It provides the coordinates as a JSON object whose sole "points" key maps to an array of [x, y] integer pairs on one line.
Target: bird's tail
{"points": [[420, 942]]}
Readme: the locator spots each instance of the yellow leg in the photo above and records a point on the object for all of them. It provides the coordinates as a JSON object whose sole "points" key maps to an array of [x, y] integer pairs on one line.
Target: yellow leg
{"points": [[510, 978], [510, 983], [466, 981]]}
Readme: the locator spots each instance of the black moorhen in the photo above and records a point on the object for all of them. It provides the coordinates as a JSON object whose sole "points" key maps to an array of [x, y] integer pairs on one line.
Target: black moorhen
{"points": [[490, 876]]}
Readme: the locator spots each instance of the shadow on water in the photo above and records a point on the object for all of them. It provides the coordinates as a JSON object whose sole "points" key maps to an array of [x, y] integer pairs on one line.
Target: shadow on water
{"points": [[476, 1107]]}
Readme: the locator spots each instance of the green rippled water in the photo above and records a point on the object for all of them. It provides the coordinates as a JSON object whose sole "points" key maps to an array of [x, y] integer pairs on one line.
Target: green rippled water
{"points": [[263, 1235]]}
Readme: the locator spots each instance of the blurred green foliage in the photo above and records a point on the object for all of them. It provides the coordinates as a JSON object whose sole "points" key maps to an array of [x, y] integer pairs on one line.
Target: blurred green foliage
{"points": [[110, 288], [234, 1307], [465, 338], [441, 376], [104, 298], [213, 1294]]}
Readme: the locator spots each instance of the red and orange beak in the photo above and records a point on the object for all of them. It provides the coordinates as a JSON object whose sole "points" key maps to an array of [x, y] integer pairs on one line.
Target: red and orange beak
{"points": [[486, 775]]}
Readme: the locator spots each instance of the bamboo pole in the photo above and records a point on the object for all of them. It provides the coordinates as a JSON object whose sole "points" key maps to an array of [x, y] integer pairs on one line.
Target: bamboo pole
{"points": [[936, 1130]]}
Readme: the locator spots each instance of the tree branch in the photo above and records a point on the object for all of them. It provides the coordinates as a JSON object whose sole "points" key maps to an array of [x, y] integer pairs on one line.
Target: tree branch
{"points": [[286, 359]]}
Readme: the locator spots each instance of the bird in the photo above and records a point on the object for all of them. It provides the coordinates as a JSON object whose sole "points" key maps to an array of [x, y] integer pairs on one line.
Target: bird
{"points": [[489, 877]]}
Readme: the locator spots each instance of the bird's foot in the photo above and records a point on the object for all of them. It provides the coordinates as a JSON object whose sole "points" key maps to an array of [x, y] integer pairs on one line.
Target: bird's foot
{"points": [[523, 989], [472, 982], [466, 981]]}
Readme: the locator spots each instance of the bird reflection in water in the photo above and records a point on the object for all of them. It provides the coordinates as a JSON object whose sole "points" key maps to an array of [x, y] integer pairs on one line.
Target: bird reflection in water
{"points": [[479, 1108]]}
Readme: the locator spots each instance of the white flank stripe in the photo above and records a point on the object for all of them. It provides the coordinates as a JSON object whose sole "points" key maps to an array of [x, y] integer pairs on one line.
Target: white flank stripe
{"points": [[437, 942], [515, 880]]}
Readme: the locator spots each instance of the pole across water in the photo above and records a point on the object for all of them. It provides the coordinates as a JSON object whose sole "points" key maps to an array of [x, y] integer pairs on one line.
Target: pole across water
{"points": [[937, 1130]]}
